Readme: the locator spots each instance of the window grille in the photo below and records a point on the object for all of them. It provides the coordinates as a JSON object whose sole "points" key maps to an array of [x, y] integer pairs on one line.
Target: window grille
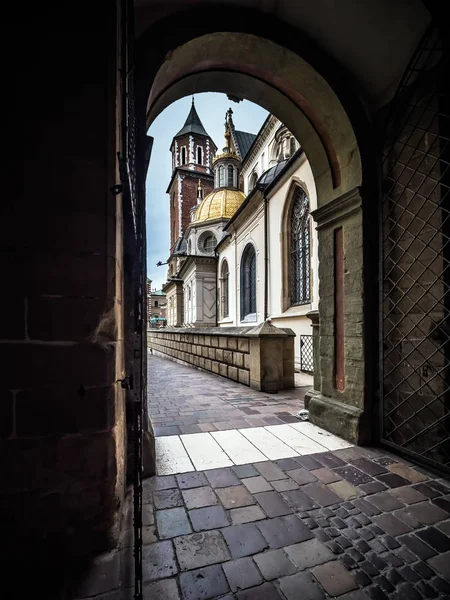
{"points": [[300, 250]]}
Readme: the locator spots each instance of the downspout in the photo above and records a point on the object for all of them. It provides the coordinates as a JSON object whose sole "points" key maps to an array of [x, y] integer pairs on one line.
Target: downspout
{"points": [[237, 281], [266, 257], [217, 286]]}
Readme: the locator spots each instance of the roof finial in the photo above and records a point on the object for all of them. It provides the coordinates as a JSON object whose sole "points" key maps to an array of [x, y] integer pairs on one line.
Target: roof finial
{"points": [[193, 102], [199, 191]]}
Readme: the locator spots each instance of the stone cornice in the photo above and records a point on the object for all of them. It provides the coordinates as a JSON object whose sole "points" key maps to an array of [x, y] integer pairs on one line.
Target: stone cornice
{"points": [[194, 258], [330, 213]]}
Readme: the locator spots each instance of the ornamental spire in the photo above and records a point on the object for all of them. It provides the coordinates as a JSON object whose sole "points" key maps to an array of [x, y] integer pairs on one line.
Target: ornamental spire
{"points": [[199, 191]]}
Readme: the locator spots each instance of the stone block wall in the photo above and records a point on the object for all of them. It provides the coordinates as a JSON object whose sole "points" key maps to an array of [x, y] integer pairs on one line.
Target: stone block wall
{"points": [[226, 355], [244, 354], [62, 414]]}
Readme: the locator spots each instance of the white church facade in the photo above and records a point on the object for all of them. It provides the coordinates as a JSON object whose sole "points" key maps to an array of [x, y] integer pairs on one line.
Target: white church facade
{"points": [[249, 251]]}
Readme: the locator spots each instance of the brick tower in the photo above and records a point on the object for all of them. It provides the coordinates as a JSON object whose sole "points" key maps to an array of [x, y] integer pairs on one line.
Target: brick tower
{"points": [[192, 154]]}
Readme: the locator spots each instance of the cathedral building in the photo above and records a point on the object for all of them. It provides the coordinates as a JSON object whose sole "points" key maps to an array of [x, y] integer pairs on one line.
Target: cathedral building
{"points": [[244, 249]]}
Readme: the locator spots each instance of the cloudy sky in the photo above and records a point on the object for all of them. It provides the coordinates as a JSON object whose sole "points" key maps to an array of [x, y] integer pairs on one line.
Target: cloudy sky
{"points": [[211, 108]]}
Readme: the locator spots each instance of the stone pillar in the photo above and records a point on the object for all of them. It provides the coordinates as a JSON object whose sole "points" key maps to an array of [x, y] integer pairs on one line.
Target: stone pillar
{"points": [[271, 354], [179, 304], [315, 322], [289, 360], [340, 410]]}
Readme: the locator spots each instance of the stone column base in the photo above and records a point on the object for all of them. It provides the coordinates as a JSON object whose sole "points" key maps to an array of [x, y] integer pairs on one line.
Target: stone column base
{"points": [[310, 394], [336, 417]]}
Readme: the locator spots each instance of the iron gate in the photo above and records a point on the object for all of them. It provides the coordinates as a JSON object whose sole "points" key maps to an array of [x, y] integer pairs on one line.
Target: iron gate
{"points": [[415, 262], [306, 354]]}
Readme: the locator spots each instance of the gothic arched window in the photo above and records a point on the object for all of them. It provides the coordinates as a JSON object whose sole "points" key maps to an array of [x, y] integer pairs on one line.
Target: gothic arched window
{"points": [[300, 250], [224, 277], [253, 180], [230, 176], [199, 155], [221, 176], [248, 284]]}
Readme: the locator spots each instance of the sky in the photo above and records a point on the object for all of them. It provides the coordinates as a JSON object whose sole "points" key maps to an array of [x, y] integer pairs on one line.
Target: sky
{"points": [[211, 108]]}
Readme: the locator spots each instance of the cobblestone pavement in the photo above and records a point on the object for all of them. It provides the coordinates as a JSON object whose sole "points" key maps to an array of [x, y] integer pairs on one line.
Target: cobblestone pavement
{"points": [[356, 524], [184, 400]]}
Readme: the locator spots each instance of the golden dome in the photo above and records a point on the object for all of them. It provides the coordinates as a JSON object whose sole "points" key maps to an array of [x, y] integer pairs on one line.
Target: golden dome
{"points": [[219, 204]]}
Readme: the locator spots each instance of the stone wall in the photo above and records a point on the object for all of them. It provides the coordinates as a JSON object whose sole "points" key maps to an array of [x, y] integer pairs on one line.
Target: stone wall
{"points": [[339, 406], [261, 357], [62, 414]]}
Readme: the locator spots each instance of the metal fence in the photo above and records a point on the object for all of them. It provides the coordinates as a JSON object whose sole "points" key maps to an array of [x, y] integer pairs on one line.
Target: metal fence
{"points": [[306, 354]]}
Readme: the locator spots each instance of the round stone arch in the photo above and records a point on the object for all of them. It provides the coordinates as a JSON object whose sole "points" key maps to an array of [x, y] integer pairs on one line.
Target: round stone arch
{"points": [[266, 62], [278, 80]]}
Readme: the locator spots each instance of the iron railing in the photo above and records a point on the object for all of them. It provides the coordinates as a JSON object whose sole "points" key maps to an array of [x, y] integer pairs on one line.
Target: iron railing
{"points": [[306, 354]]}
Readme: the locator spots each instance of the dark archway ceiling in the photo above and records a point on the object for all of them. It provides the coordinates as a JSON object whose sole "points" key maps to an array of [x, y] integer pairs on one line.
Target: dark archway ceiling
{"points": [[372, 39]]}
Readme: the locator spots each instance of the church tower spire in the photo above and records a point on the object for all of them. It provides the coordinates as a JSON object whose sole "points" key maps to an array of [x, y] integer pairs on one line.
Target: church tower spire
{"points": [[192, 156]]}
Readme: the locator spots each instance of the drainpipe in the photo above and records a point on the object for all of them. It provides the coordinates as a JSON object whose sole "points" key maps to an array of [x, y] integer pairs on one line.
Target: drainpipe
{"points": [[217, 286], [266, 258]]}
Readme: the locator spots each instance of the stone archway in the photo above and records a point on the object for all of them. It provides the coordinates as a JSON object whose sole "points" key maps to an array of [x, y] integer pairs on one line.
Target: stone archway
{"points": [[256, 68]]}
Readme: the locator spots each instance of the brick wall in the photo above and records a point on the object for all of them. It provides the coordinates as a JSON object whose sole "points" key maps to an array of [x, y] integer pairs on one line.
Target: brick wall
{"points": [[198, 141], [189, 199]]}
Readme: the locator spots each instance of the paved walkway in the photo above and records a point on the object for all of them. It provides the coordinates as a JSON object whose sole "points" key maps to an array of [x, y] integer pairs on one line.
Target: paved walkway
{"points": [[352, 523], [184, 400]]}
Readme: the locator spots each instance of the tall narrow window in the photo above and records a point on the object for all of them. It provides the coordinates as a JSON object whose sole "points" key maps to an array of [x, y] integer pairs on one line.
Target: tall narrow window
{"points": [[199, 155], [221, 176], [183, 155], [230, 176], [224, 277], [292, 146], [253, 180], [300, 250], [248, 284]]}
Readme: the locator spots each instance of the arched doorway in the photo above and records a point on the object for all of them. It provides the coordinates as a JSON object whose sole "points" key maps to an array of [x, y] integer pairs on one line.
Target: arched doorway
{"points": [[248, 66]]}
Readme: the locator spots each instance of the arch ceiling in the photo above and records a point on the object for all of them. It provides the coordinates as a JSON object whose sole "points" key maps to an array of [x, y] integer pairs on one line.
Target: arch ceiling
{"points": [[372, 39]]}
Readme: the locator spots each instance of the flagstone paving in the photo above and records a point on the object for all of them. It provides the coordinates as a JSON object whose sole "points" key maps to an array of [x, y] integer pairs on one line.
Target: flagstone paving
{"points": [[184, 400], [316, 523], [214, 534]]}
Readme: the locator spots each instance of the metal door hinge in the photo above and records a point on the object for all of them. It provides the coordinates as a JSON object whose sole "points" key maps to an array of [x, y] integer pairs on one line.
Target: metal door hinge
{"points": [[126, 383]]}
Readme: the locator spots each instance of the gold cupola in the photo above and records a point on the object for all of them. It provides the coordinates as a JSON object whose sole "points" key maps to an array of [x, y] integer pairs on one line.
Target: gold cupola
{"points": [[219, 204]]}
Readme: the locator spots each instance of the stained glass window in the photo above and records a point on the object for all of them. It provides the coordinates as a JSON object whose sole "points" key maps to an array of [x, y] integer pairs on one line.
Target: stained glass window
{"points": [[224, 288], [300, 250], [248, 283]]}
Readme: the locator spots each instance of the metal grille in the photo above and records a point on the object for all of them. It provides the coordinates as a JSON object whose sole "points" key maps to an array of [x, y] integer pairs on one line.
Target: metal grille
{"points": [[306, 354], [300, 288], [416, 259]]}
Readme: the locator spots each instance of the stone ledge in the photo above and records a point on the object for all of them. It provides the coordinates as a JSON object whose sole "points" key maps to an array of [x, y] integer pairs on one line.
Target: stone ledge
{"points": [[329, 214], [224, 331], [341, 419]]}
